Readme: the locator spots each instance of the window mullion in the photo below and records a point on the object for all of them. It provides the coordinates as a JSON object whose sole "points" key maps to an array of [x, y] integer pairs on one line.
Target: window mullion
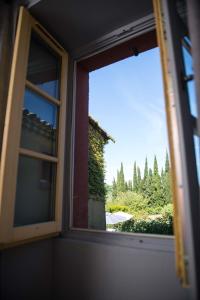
{"points": [[37, 90], [38, 155]]}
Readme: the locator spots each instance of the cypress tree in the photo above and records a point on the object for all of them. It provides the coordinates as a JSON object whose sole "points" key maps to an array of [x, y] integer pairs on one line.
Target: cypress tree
{"points": [[155, 190], [145, 181], [139, 179], [135, 178], [162, 173], [146, 170], [149, 190], [167, 163], [114, 189], [166, 181], [117, 177], [120, 180], [130, 185], [155, 166]]}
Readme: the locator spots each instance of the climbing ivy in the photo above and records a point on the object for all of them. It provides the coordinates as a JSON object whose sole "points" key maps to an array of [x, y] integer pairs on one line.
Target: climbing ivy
{"points": [[96, 164]]}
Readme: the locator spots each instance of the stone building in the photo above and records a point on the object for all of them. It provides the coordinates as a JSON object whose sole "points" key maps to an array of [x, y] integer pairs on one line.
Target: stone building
{"points": [[98, 138]]}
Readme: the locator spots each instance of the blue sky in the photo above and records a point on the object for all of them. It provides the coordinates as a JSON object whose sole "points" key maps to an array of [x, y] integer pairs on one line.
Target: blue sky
{"points": [[127, 100]]}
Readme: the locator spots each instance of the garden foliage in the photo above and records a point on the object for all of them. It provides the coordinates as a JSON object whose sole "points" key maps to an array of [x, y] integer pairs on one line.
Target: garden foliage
{"points": [[148, 198]]}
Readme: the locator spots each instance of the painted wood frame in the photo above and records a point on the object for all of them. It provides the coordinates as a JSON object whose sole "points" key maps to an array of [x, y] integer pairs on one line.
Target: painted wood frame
{"points": [[182, 127], [12, 132], [173, 137]]}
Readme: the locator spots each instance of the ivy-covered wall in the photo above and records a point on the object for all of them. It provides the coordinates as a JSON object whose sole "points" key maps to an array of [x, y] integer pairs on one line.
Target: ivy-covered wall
{"points": [[98, 138]]}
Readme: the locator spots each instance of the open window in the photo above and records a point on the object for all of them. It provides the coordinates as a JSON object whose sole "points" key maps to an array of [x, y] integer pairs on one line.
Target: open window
{"points": [[180, 103], [31, 174], [89, 204], [145, 203]]}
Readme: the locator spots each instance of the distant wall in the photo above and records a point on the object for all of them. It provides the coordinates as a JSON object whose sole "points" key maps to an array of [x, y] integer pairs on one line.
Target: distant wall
{"points": [[93, 271], [96, 214], [27, 272]]}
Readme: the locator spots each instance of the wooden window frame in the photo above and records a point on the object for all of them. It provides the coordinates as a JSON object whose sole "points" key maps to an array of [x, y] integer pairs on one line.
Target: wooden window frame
{"points": [[12, 132], [183, 126], [142, 42]]}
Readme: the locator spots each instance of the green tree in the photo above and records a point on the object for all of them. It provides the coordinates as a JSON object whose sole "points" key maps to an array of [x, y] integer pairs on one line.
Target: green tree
{"points": [[135, 178], [154, 189], [121, 187], [130, 188], [167, 166], [146, 170], [155, 166], [166, 181], [162, 173], [118, 178], [139, 179], [114, 189], [145, 181]]}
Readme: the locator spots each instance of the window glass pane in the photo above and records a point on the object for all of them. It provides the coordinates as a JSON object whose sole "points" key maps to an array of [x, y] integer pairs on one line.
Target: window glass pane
{"points": [[187, 61], [197, 152], [187, 58], [192, 98], [39, 126], [44, 66], [35, 191]]}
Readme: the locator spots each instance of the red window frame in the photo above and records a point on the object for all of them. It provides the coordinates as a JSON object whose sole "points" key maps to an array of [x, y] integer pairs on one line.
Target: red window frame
{"points": [[133, 46]]}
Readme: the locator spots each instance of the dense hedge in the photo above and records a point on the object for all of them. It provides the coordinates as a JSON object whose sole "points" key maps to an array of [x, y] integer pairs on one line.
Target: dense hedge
{"points": [[158, 226]]}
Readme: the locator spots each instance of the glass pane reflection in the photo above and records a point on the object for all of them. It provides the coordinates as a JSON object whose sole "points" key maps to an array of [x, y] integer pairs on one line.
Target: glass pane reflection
{"points": [[44, 66], [192, 98], [39, 126], [187, 61], [188, 64], [35, 191], [197, 153]]}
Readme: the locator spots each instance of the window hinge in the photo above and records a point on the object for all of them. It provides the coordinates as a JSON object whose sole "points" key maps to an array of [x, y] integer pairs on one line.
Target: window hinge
{"points": [[189, 77]]}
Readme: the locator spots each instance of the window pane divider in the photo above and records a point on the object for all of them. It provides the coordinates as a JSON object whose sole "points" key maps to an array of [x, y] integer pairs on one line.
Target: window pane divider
{"points": [[38, 155], [37, 90], [41, 31]]}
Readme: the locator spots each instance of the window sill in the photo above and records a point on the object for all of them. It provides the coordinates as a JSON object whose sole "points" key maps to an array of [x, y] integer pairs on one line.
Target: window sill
{"points": [[154, 242]]}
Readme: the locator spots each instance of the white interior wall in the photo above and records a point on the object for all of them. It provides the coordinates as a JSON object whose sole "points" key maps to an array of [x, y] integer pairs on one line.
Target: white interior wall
{"points": [[94, 271]]}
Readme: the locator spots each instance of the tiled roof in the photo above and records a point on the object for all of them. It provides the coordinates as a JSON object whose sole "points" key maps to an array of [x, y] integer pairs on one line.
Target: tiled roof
{"points": [[32, 122]]}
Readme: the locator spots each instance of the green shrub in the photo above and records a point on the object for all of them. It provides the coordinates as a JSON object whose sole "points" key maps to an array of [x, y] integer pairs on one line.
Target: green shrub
{"points": [[167, 211], [135, 202], [116, 207], [157, 226]]}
